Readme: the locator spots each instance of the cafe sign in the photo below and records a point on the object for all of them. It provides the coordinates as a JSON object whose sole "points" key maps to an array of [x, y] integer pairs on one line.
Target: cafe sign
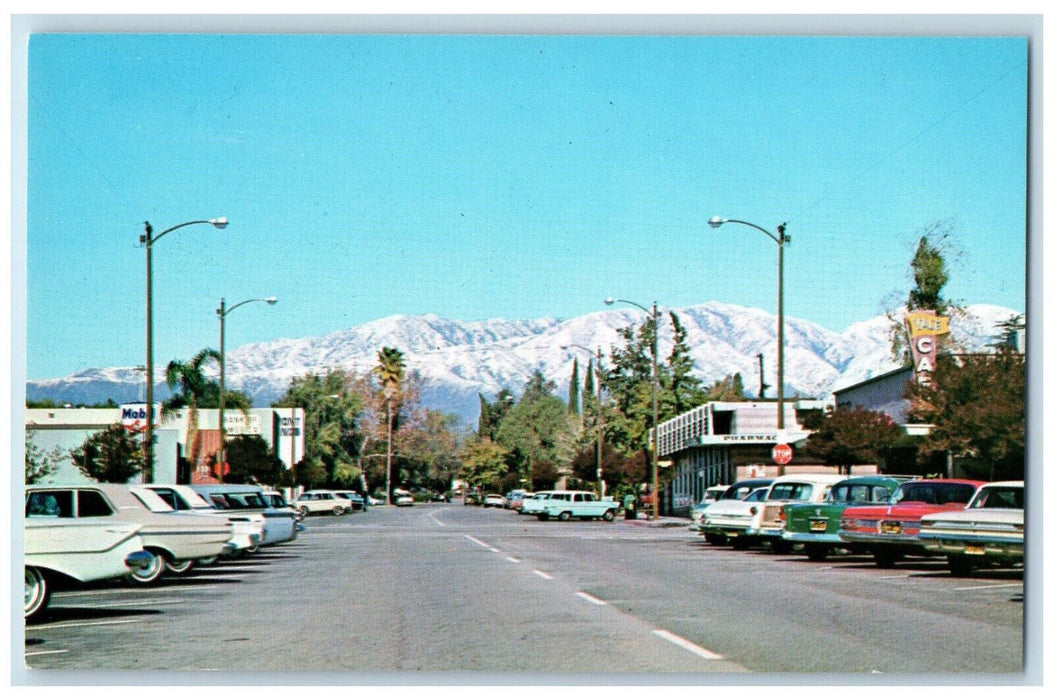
{"points": [[923, 328]]}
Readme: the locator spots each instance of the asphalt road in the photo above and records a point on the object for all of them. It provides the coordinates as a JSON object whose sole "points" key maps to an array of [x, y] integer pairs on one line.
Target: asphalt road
{"points": [[455, 591]]}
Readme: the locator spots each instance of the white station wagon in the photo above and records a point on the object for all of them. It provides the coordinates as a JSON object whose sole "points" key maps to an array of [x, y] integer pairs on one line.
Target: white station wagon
{"points": [[322, 501]]}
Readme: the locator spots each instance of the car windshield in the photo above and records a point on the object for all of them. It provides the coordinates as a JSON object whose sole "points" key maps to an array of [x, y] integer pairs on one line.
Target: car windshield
{"points": [[933, 492], [1000, 497]]}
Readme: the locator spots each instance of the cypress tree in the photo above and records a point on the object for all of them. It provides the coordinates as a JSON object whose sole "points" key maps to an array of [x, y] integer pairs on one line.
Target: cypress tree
{"points": [[572, 392]]}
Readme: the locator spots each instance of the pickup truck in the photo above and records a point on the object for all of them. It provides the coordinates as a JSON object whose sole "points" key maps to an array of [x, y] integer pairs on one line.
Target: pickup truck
{"points": [[584, 505]]}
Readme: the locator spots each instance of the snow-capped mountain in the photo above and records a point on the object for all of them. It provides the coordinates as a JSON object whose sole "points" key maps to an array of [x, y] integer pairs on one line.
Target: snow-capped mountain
{"points": [[460, 359]]}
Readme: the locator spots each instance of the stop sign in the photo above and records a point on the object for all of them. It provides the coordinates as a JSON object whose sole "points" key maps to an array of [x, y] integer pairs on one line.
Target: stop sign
{"points": [[782, 454]]}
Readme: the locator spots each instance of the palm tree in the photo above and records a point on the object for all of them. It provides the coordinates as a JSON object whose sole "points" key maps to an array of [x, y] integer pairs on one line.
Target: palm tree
{"points": [[391, 370], [194, 388]]}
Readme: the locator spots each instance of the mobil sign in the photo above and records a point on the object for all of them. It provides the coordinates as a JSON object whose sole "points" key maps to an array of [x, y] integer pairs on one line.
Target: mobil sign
{"points": [[923, 328], [133, 417]]}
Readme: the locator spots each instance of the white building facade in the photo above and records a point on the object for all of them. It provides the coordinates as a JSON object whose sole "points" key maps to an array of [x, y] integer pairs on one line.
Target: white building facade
{"points": [[68, 428]]}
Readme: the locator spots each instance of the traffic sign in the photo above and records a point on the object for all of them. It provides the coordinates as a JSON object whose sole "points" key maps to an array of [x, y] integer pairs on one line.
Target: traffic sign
{"points": [[782, 454]]}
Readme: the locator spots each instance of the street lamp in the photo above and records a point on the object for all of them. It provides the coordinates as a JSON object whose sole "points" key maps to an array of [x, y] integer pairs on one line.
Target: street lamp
{"points": [[600, 416], [222, 313], [654, 446], [780, 240], [148, 239]]}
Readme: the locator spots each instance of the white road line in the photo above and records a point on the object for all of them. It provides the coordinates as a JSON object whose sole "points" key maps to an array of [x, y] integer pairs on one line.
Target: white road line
{"points": [[993, 585], [433, 517], [514, 560], [481, 543], [130, 603], [591, 599], [57, 625], [544, 575], [890, 578], [51, 651], [685, 644]]}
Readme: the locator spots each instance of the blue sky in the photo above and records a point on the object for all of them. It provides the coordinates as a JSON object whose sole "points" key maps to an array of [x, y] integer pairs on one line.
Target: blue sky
{"points": [[503, 176]]}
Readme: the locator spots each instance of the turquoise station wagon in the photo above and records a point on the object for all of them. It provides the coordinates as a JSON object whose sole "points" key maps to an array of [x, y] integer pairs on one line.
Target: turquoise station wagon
{"points": [[584, 505]]}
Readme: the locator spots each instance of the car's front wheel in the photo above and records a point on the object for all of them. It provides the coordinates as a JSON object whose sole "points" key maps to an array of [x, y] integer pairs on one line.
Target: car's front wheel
{"points": [[38, 592], [565, 516], [149, 575], [338, 510], [609, 514]]}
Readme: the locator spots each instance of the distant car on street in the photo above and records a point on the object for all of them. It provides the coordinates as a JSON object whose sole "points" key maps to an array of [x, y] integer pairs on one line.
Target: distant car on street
{"points": [[322, 501], [584, 505], [494, 499]]}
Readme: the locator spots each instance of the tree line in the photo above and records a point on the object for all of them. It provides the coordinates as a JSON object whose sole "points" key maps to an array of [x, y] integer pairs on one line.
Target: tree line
{"points": [[371, 433]]}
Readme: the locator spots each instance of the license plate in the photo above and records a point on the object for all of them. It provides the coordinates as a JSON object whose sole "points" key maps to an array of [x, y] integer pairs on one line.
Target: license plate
{"points": [[974, 550], [891, 528], [818, 525]]}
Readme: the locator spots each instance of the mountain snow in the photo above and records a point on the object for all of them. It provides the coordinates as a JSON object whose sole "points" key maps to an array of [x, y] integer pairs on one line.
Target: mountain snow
{"points": [[458, 360]]}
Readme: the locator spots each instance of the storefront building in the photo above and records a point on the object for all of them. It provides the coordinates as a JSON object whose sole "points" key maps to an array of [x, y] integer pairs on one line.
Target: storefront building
{"points": [[68, 428], [721, 442]]}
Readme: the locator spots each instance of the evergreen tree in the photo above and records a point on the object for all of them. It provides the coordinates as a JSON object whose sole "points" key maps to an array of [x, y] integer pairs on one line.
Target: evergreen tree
{"points": [[573, 406], [110, 456], [253, 462], [40, 464]]}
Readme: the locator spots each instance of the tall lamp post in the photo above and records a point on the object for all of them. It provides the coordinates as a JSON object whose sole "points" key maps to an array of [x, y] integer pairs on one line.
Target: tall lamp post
{"points": [[222, 313], [600, 417], [780, 241], [654, 447], [148, 239]]}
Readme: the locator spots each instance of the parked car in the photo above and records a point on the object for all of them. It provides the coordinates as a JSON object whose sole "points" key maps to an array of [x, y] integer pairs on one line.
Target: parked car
{"points": [[723, 513], [494, 499], [280, 524], [736, 492], [891, 531], [514, 495], [696, 510], [816, 525], [276, 503], [169, 537], [751, 522], [247, 527], [517, 503], [403, 498], [357, 501], [473, 498], [991, 529], [60, 549], [533, 505], [584, 505], [320, 501]]}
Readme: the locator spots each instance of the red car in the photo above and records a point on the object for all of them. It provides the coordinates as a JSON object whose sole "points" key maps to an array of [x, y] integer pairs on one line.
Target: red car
{"points": [[891, 531]]}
